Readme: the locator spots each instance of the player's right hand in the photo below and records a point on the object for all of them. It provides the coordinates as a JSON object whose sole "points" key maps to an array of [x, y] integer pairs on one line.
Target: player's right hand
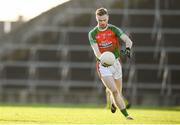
{"points": [[105, 65]]}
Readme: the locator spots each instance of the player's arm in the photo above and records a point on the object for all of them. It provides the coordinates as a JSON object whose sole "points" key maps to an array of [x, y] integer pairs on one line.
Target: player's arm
{"points": [[95, 48], [127, 40], [93, 44], [123, 37], [128, 43], [98, 54]]}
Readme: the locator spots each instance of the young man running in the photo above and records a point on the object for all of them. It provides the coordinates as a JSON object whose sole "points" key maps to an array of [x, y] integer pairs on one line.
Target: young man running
{"points": [[107, 37]]}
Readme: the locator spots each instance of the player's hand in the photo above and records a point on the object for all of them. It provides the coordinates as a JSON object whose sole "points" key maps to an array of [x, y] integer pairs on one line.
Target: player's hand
{"points": [[127, 52], [97, 59], [105, 65]]}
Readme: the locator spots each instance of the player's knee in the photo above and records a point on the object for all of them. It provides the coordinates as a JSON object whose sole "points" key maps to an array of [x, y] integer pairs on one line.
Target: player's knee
{"points": [[115, 92]]}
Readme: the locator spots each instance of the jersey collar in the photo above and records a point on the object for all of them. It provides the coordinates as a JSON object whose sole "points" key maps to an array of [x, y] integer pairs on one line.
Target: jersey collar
{"points": [[103, 29]]}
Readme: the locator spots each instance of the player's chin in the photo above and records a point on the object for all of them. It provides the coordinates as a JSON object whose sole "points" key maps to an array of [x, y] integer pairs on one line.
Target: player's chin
{"points": [[102, 26]]}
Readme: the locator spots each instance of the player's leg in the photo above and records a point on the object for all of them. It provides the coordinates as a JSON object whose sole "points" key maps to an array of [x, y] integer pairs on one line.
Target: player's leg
{"points": [[119, 86], [111, 85], [118, 80], [112, 103], [117, 75], [109, 82], [109, 101]]}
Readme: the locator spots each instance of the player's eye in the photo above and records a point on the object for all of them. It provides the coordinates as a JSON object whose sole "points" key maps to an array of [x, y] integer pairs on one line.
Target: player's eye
{"points": [[102, 20]]}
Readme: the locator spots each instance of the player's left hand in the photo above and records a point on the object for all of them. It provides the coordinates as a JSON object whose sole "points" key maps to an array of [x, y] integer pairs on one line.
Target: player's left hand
{"points": [[127, 52]]}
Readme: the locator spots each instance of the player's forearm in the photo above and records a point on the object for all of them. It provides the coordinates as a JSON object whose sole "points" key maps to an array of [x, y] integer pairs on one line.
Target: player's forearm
{"points": [[127, 40], [95, 48]]}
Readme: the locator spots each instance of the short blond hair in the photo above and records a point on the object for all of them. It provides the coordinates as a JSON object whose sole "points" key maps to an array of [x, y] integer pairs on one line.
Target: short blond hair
{"points": [[101, 11]]}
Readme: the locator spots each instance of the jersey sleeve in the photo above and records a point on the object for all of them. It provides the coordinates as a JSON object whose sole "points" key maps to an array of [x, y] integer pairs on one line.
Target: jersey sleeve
{"points": [[91, 39], [117, 31], [92, 36]]}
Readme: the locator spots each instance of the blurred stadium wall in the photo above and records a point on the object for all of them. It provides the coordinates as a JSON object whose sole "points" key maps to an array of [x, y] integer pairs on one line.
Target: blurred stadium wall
{"points": [[49, 60]]}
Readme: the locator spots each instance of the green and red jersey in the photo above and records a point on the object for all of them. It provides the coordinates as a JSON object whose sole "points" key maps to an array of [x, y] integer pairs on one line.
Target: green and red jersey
{"points": [[107, 40]]}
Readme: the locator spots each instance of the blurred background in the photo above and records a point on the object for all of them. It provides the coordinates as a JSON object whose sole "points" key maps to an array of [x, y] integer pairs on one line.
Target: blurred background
{"points": [[45, 57]]}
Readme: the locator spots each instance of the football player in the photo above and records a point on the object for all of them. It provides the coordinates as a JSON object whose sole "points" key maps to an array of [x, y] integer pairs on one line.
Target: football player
{"points": [[107, 37]]}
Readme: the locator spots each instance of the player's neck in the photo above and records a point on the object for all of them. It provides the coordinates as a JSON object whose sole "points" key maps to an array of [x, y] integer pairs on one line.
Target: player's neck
{"points": [[102, 29]]}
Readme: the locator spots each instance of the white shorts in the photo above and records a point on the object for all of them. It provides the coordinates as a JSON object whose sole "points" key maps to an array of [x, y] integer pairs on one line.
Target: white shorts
{"points": [[115, 70]]}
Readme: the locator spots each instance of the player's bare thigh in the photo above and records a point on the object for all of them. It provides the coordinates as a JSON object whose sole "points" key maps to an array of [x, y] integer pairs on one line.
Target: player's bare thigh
{"points": [[109, 83], [119, 84]]}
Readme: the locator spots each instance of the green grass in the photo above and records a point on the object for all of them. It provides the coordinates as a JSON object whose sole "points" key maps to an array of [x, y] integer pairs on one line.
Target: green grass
{"points": [[41, 114]]}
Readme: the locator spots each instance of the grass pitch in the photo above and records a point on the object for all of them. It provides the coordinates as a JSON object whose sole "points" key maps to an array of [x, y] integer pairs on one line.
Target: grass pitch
{"points": [[69, 114]]}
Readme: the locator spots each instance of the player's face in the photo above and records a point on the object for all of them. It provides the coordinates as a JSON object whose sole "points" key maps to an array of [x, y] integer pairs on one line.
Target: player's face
{"points": [[102, 21]]}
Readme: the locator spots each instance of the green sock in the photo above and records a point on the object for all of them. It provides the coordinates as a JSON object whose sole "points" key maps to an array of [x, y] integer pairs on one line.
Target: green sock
{"points": [[124, 112]]}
